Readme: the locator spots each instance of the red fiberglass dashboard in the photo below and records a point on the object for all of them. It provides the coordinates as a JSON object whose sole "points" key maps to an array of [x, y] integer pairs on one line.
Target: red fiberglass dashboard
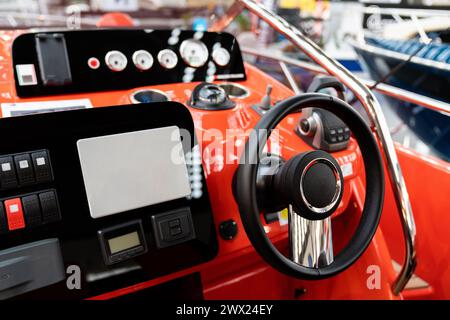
{"points": [[137, 196]]}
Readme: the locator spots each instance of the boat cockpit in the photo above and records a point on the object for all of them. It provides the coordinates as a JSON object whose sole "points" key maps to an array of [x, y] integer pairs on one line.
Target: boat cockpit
{"points": [[138, 163]]}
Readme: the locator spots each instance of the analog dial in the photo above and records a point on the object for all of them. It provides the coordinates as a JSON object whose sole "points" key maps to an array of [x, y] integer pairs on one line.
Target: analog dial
{"points": [[143, 60], [167, 58], [116, 61], [221, 56], [194, 53]]}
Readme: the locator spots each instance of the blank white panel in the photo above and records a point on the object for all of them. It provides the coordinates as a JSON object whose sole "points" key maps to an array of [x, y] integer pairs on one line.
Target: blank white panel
{"points": [[132, 170]]}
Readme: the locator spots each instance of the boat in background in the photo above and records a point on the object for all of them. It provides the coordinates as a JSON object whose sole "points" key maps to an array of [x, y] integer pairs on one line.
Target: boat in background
{"points": [[414, 55]]}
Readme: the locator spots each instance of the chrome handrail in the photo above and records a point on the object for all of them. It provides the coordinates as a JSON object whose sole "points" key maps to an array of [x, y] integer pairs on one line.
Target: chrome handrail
{"points": [[369, 102], [386, 89]]}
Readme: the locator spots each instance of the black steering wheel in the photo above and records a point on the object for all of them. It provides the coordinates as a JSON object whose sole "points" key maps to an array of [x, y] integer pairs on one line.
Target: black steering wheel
{"points": [[311, 184]]}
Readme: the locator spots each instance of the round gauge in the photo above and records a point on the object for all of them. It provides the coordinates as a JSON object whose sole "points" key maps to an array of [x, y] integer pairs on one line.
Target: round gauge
{"points": [[194, 52], [143, 60], [167, 59], [116, 60], [221, 56]]}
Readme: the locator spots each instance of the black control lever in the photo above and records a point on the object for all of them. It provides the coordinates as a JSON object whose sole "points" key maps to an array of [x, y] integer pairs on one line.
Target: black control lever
{"points": [[325, 82], [320, 128]]}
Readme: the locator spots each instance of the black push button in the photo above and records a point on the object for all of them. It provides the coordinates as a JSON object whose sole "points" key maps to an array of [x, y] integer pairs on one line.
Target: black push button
{"points": [[42, 166], [173, 227], [8, 178], [32, 210], [24, 167], [49, 206], [3, 221]]}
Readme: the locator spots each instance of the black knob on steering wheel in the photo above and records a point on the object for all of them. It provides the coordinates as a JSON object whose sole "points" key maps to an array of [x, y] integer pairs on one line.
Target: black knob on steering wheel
{"points": [[311, 186]]}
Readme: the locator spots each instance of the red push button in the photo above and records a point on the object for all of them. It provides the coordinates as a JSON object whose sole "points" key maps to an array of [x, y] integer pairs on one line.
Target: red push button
{"points": [[14, 214], [93, 63]]}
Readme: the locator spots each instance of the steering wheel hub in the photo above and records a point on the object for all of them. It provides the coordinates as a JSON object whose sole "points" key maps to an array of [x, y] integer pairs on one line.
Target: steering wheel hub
{"points": [[321, 185], [312, 182]]}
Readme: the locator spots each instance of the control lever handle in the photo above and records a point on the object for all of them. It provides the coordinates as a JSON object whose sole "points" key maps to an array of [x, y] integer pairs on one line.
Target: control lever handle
{"points": [[266, 100]]}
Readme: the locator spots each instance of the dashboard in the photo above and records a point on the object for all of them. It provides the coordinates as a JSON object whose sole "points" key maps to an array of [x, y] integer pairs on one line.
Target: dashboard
{"points": [[51, 63], [75, 194]]}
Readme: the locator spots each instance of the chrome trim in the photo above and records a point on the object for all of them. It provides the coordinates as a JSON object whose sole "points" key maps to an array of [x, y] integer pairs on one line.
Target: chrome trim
{"points": [[163, 63], [289, 77], [337, 192], [137, 64], [383, 88], [202, 45], [219, 51], [312, 122], [311, 242], [134, 101], [240, 86], [113, 67], [370, 104]]}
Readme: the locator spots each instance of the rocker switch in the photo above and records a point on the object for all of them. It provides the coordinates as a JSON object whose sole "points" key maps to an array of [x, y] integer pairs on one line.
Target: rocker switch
{"points": [[24, 167], [14, 214], [173, 227], [8, 178]]}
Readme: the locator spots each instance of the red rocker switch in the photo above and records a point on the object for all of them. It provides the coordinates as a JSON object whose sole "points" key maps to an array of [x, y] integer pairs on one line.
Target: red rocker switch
{"points": [[14, 213]]}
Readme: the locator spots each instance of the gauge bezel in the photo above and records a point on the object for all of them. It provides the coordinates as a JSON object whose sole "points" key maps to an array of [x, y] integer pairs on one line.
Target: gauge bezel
{"points": [[137, 64], [216, 51], [202, 45], [164, 51], [113, 67]]}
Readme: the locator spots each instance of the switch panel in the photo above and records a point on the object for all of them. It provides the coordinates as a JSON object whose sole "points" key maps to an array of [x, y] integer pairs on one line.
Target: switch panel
{"points": [[173, 227], [29, 210], [25, 169], [14, 214]]}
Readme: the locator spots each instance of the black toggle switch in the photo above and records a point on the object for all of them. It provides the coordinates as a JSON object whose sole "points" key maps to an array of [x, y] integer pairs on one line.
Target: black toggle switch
{"points": [[49, 206], [32, 210], [8, 178], [42, 166], [24, 167]]}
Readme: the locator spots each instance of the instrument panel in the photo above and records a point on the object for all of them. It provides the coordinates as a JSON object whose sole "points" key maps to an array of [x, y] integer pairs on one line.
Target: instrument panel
{"points": [[51, 63], [159, 232]]}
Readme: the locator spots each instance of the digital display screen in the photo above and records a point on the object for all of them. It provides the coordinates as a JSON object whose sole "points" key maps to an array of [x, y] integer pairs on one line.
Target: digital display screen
{"points": [[124, 242]]}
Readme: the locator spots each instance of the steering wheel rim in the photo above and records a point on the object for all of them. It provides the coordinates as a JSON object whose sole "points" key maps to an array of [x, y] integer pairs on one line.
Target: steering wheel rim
{"points": [[247, 174]]}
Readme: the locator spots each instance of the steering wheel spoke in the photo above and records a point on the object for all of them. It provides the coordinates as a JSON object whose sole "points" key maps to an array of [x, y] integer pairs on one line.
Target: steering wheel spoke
{"points": [[311, 241]]}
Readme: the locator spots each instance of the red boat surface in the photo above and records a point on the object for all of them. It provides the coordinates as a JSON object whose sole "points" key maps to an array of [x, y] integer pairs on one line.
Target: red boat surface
{"points": [[177, 170]]}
